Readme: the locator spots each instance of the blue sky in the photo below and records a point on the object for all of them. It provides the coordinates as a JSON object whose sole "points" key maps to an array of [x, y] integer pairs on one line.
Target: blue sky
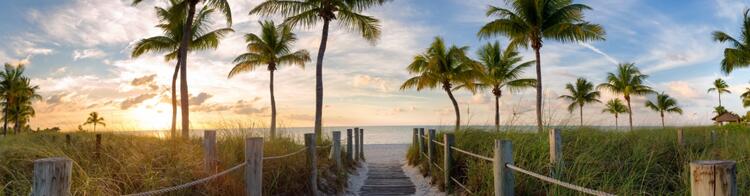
{"points": [[77, 51]]}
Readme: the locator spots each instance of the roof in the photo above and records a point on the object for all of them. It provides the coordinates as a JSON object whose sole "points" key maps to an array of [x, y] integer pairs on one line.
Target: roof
{"points": [[727, 117]]}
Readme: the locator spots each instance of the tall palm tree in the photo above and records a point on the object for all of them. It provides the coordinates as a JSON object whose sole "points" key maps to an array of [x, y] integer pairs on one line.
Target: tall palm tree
{"points": [[272, 48], [615, 107], [738, 56], [95, 119], [581, 93], [628, 81], [445, 67], [308, 13], [720, 86], [528, 23], [184, 47], [16, 91], [746, 97], [502, 69], [664, 103], [173, 20], [22, 110]]}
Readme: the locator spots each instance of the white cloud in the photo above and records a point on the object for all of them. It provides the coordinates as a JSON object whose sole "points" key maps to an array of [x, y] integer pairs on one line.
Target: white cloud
{"points": [[88, 53]]}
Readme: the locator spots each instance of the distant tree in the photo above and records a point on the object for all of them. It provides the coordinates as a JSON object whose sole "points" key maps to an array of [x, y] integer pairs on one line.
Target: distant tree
{"points": [[528, 23], [719, 110], [720, 86], [581, 93], [615, 107], [445, 67], [738, 56], [95, 119], [18, 94], [664, 103], [628, 81], [746, 97], [271, 48]]}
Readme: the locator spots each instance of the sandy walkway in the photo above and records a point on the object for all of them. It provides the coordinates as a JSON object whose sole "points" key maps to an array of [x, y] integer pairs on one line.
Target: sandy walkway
{"points": [[390, 154]]}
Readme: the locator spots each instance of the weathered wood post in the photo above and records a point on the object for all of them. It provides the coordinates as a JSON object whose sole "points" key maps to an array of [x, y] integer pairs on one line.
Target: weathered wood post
{"points": [[337, 150], [98, 146], [713, 136], [361, 144], [421, 143], [713, 177], [52, 176], [680, 138], [414, 135], [349, 145], [67, 139], [431, 148], [356, 144], [448, 139], [210, 156], [503, 176], [312, 162], [555, 152], [254, 167]]}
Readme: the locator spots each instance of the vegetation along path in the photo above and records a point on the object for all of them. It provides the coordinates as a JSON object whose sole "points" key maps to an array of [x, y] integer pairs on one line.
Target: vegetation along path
{"points": [[384, 176]]}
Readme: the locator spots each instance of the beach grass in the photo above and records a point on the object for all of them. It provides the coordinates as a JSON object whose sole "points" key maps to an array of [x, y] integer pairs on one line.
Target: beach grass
{"points": [[643, 161]]}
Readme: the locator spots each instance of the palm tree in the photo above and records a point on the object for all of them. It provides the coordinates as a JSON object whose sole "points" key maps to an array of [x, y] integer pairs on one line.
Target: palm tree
{"points": [[185, 44], [172, 24], [502, 70], [271, 48], [17, 93], [22, 110], [615, 107], [446, 67], [720, 86], [528, 23], [308, 13], [719, 110], [581, 93], [628, 81], [664, 103], [746, 97], [739, 55], [95, 119]]}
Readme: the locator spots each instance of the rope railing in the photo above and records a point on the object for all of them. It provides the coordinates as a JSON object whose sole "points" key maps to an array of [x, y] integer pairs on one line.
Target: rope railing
{"points": [[558, 182], [189, 184], [463, 186], [472, 154], [286, 155]]}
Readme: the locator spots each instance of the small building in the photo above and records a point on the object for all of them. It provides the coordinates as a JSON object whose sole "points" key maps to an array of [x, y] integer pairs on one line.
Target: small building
{"points": [[727, 117]]}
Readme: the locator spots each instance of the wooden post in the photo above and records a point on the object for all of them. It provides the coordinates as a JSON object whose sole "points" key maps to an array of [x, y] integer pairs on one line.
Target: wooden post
{"points": [[349, 144], [448, 139], [98, 148], [713, 136], [337, 150], [67, 139], [713, 177], [431, 147], [504, 180], [680, 139], [421, 143], [52, 176], [356, 144], [361, 144], [414, 135], [312, 162], [210, 156], [555, 152], [254, 167]]}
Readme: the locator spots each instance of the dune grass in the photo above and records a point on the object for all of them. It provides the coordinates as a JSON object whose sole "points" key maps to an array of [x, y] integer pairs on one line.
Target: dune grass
{"points": [[644, 161], [132, 164]]}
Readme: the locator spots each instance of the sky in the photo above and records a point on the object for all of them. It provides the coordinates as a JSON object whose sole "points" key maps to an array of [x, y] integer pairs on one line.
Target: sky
{"points": [[77, 51]]}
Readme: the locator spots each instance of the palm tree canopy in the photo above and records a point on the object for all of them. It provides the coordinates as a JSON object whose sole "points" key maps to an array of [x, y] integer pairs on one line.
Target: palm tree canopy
{"points": [[273, 47], [529, 22], [441, 65], [627, 80], [18, 94], [173, 19], [737, 56], [720, 86], [502, 68], [95, 119], [308, 13], [221, 5], [664, 103], [582, 92], [615, 106]]}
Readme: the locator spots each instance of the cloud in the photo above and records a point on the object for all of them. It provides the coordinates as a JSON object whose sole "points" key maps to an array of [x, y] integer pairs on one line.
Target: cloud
{"points": [[367, 81], [683, 89], [131, 102], [88, 53], [607, 56], [200, 99]]}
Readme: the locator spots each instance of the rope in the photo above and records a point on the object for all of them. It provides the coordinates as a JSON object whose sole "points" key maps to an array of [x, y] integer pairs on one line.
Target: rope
{"points": [[438, 166], [558, 182], [423, 136], [326, 146], [438, 143], [462, 186], [286, 155], [189, 184], [472, 154]]}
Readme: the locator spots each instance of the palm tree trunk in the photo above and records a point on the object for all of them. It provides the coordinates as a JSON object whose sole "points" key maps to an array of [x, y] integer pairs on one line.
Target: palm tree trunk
{"points": [[94, 127], [182, 61], [616, 125], [17, 124], [662, 121], [447, 88], [273, 109], [630, 113], [719, 98], [497, 113], [540, 126], [173, 131], [581, 111], [319, 81], [5, 117]]}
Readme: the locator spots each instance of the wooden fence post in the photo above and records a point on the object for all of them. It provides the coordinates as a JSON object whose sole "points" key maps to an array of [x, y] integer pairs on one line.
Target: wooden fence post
{"points": [[448, 139], [713, 136], [361, 144], [680, 138], [337, 150], [713, 177], [98, 146], [52, 176], [67, 139], [312, 162], [414, 136], [210, 156], [356, 144], [254, 167], [349, 145], [555, 152], [421, 143], [431, 147], [504, 180]]}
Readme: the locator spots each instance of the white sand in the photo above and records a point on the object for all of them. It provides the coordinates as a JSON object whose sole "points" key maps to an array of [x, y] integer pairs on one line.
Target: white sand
{"points": [[390, 153]]}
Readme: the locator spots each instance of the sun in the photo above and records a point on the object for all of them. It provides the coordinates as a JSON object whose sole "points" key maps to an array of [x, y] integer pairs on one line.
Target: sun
{"points": [[156, 116]]}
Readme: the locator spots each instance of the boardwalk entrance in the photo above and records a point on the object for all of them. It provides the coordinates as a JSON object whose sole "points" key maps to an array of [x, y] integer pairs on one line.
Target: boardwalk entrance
{"points": [[385, 176]]}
